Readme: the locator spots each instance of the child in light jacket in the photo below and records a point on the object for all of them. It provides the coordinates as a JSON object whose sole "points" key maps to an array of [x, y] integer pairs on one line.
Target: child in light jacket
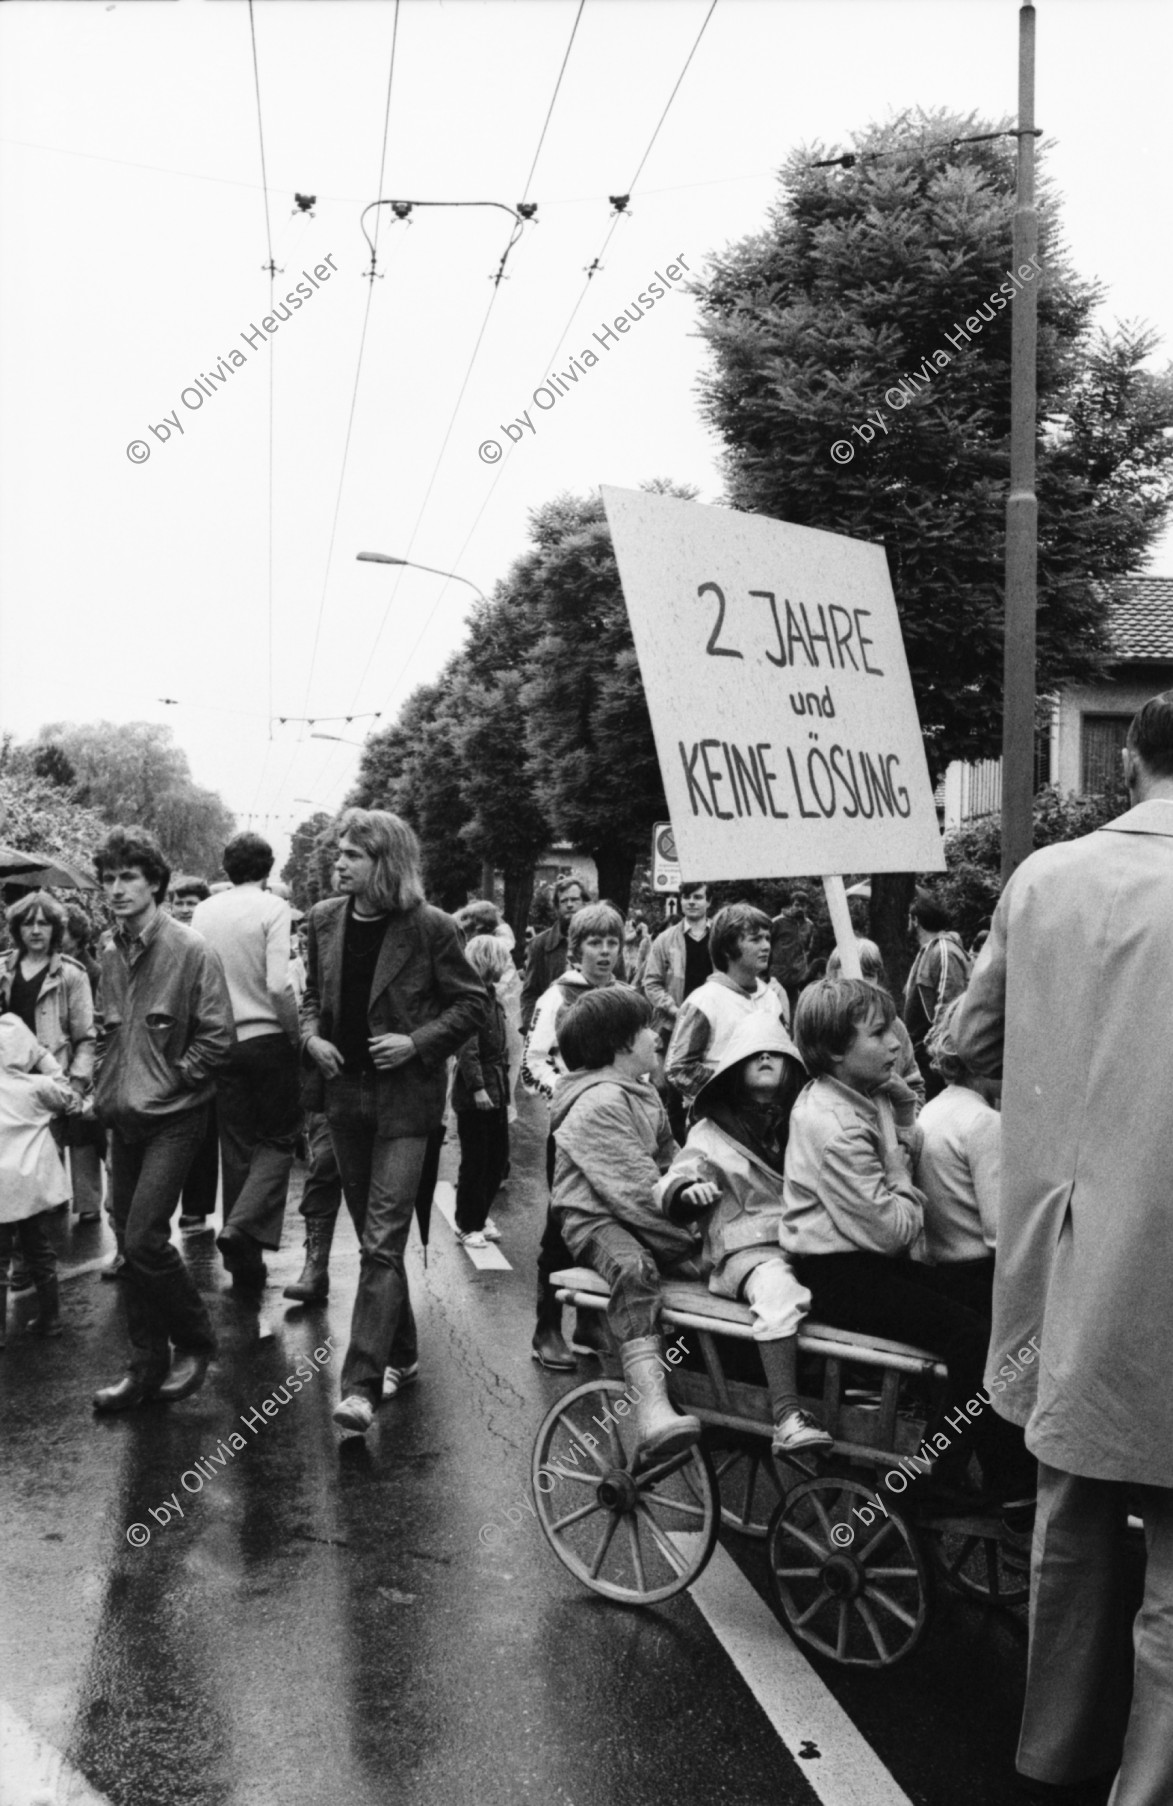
{"points": [[729, 1177], [33, 1089], [611, 1145]]}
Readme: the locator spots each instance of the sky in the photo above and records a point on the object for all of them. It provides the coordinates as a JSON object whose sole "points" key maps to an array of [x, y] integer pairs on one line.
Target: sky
{"points": [[219, 570]]}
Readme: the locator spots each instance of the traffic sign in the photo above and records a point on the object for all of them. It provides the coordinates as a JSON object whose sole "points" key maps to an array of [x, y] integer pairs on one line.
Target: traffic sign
{"points": [[665, 863]]}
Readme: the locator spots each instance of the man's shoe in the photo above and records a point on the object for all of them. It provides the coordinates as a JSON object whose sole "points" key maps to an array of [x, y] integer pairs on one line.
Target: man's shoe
{"points": [[313, 1284], [396, 1378], [242, 1259], [799, 1430], [549, 1350], [186, 1375], [355, 1413], [114, 1269], [126, 1393]]}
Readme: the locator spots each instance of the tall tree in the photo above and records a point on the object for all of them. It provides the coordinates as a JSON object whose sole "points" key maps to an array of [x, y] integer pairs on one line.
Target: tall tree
{"points": [[303, 871], [873, 313], [591, 750], [133, 772]]}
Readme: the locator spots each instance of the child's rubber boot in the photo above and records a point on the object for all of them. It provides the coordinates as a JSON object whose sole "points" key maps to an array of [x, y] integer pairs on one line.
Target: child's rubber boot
{"points": [[660, 1429]]}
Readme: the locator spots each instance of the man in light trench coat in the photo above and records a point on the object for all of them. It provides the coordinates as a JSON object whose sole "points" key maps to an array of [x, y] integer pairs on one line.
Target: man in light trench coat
{"points": [[1072, 1003]]}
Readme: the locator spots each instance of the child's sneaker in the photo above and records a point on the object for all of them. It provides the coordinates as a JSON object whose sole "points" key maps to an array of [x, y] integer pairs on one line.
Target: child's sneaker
{"points": [[490, 1231], [472, 1238], [396, 1378], [799, 1430]]}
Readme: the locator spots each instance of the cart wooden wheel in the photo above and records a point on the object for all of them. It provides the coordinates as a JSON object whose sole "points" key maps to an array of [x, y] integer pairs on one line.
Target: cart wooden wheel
{"points": [[972, 1558], [636, 1534], [754, 1482], [855, 1588]]}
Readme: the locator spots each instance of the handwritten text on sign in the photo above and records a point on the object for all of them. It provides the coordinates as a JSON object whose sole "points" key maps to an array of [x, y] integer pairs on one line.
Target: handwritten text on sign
{"points": [[778, 686]]}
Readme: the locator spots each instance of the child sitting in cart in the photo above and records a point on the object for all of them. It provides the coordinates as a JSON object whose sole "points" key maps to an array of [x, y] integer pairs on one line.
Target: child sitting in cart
{"points": [[729, 1174], [612, 1143], [852, 1215]]}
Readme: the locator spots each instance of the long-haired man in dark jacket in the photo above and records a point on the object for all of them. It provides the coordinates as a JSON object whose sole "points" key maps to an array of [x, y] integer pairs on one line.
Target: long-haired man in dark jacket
{"points": [[389, 995]]}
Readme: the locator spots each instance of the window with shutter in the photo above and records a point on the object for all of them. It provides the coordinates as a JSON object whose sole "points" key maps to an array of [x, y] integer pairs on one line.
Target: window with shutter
{"points": [[1102, 739]]}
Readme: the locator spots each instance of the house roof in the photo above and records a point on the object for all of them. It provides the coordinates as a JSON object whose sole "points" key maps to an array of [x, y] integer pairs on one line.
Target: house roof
{"points": [[1141, 618]]}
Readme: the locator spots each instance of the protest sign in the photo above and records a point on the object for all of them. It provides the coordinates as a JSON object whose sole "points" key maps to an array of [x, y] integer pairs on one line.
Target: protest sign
{"points": [[775, 673]]}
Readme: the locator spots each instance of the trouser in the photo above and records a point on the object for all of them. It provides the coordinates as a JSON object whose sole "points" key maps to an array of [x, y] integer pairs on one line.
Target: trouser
{"points": [[552, 1250], [967, 1282], [381, 1177], [33, 1237], [200, 1188], [882, 1296], [1076, 1722], [633, 1274], [162, 1303], [322, 1192], [776, 1299], [484, 1155], [258, 1104]]}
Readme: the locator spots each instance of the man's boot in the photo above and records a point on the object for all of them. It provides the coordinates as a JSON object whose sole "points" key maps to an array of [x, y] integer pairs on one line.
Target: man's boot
{"points": [[314, 1285], [47, 1321], [659, 1427], [548, 1349]]}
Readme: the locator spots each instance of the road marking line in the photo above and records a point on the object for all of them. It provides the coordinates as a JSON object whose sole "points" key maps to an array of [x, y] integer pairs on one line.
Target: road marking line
{"points": [[847, 1771], [33, 1773], [486, 1259]]}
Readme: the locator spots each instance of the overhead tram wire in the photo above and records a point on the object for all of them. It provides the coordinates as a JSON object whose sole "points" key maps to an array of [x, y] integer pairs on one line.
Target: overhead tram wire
{"points": [[468, 373], [595, 264], [350, 418], [272, 269]]}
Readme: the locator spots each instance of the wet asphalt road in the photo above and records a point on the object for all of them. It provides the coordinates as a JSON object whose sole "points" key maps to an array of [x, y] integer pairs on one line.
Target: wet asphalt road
{"points": [[326, 1624]]}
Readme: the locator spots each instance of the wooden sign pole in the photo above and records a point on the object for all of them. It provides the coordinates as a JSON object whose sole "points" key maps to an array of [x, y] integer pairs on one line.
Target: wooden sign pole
{"points": [[841, 922]]}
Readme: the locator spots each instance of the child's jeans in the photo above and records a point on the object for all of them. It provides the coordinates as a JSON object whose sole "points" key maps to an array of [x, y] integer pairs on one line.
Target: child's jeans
{"points": [[36, 1245], [778, 1302], [484, 1155], [633, 1275]]}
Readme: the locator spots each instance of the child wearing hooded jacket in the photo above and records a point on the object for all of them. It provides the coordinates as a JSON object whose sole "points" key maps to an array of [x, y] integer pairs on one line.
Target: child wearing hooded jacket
{"points": [[33, 1089], [612, 1143], [729, 1175]]}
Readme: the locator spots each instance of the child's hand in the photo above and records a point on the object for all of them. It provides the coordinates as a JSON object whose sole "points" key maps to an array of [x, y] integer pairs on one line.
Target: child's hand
{"points": [[700, 1195], [482, 1100]]}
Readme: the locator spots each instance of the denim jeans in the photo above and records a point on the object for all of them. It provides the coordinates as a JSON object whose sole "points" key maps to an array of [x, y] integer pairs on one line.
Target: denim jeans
{"points": [[380, 1178], [258, 1103], [630, 1270], [202, 1185], [162, 1303], [322, 1193]]}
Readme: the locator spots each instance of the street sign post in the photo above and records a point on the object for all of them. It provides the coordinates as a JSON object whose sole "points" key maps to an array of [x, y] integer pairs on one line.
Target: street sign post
{"points": [[783, 713], [665, 862]]}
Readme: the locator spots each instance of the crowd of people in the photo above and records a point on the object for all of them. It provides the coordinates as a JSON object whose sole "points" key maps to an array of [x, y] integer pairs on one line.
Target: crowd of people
{"points": [[982, 1169]]}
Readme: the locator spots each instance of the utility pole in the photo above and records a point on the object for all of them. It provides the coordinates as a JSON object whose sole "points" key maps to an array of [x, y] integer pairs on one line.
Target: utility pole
{"points": [[1022, 512]]}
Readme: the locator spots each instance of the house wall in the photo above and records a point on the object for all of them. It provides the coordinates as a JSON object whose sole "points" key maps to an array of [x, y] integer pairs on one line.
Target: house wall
{"points": [[1122, 697]]}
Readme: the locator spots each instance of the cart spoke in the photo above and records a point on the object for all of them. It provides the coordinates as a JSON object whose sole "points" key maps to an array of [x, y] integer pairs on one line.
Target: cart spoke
{"points": [[605, 1544], [841, 1639], [667, 1549], [798, 1573], [577, 1436], [636, 1552], [993, 1570], [806, 1539], [690, 1508], [882, 1650], [890, 1604], [575, 1517], [567, 1473], [820, 1602], [967, 1549]]}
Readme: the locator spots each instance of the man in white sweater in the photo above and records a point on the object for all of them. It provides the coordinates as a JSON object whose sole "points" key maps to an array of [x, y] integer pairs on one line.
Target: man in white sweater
{"points": [[257, 1092]]}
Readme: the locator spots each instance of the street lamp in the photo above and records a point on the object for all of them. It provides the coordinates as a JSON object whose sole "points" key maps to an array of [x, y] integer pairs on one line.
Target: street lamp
{"points": [[386, 558]]}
